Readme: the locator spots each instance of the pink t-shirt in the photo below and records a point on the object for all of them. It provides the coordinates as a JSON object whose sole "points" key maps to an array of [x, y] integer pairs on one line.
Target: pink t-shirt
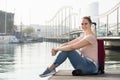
{"points": [[90, 51]]}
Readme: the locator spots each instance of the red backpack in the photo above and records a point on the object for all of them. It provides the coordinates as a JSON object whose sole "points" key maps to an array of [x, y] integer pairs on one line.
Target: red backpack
{"points": [[101, 56]]}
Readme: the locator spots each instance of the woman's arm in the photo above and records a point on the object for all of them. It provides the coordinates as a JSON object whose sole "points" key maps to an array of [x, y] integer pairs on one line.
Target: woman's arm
{"points": [[71, 42], [65, 46], [77, 45]]}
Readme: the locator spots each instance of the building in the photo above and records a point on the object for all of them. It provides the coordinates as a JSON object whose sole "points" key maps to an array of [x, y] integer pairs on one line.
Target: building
{"points": [[6, 22], [91, 10]]}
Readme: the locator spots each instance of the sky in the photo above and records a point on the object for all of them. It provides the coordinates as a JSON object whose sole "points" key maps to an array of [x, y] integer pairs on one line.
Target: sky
{"points": [[39, 11]]}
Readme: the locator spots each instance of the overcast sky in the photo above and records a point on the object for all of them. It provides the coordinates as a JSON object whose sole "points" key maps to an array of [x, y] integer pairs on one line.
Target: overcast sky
{"points": [[39, 11]]}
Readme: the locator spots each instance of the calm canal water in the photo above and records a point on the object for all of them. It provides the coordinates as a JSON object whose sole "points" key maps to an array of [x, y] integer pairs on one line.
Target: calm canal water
{"points": [[27, 61]]}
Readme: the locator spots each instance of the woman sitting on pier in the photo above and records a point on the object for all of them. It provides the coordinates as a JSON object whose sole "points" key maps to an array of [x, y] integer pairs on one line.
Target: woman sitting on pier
{"points": [[85, 61]]}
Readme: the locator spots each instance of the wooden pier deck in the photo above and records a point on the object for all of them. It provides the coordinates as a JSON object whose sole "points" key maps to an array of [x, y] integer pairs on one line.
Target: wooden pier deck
{"points": [[110, 74]]}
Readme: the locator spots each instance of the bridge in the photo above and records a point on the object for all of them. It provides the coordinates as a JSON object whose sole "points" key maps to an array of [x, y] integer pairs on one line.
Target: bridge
{"points": [[63, 26]]}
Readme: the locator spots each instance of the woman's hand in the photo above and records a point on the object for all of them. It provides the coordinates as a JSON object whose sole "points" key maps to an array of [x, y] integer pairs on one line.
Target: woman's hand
{"points": [[54, 52]]}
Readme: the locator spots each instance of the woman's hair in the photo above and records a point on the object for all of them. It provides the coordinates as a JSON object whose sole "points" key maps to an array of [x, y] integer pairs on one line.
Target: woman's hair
{"points": [[88, 18]]}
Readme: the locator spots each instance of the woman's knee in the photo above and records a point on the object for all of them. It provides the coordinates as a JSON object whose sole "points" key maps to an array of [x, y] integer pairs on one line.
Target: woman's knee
{"points": [[62, 53], [74, 53], [69, 53]]}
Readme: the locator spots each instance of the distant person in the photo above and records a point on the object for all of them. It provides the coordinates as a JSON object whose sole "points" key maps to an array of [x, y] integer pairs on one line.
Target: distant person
{"points": [[86, 61], [109, 33]]}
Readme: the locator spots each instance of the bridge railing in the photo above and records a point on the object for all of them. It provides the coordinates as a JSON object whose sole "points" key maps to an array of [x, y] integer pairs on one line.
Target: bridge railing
{"points": [[111, 22]]}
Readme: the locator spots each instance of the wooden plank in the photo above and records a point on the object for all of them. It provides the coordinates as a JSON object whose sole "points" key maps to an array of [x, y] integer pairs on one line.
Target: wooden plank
{"points": [[66, 75]]}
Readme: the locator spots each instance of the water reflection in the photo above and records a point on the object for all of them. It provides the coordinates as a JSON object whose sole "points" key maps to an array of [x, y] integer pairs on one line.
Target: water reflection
{"points": [[6, 58], [113, 59], [27, 61], [113, 55]]}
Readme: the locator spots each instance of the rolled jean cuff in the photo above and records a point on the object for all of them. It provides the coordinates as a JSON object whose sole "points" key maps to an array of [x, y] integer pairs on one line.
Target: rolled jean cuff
{"points": [[56, 65]]}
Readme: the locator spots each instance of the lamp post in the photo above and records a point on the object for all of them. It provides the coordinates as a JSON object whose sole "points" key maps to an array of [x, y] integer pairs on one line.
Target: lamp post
{"points": [[5, 16], [21, 33]]}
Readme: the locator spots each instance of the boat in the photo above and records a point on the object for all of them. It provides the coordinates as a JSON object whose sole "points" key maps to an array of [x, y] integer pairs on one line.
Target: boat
{"points": [[5, 38]]}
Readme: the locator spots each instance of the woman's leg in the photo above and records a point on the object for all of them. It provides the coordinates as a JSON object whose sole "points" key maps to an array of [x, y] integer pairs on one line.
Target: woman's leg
{"points": [[73, 56], [77, 61]]}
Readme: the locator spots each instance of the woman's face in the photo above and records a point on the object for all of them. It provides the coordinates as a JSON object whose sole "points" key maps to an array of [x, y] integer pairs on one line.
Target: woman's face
{"points": [[85, 24]]}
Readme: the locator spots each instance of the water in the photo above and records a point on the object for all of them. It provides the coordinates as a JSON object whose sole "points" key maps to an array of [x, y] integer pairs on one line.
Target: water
{"points": [[112, 59], [27, 61]]}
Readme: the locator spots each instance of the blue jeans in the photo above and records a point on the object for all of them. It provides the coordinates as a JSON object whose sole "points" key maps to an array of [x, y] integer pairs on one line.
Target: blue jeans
{"points": [[77, 61]]}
